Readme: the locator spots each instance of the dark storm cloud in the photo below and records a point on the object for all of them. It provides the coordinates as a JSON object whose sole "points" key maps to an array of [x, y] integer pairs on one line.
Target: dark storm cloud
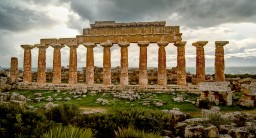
{"points": [[193, 13], [14, 17]]}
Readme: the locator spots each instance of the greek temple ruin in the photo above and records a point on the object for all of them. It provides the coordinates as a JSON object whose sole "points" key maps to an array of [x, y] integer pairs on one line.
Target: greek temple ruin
{"points": [[107, 33]]}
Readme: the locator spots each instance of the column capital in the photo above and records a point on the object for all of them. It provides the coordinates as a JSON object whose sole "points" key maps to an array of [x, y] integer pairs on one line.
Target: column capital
{"points": [[221, 43], [143, 43], [72, 46], [89, 45], [162, 43], [41, 46], [106, 44], [27, 46], [181, 44], [57, 46], [200, 43], [123, 44]]}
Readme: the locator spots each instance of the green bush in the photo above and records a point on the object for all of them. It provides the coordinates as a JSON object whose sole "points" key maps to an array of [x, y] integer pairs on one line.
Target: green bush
{"points": [[63, 113], [133, 133], [217, 120], [68, 132], [15, 121], [105, 124], [204, 104]]}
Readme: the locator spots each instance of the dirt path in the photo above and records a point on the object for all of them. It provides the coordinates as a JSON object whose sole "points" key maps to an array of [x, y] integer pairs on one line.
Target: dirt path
{"points": [[90, 110]]}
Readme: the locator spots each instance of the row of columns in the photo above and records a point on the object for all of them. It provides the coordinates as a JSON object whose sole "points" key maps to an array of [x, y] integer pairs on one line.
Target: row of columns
{"points": [[219, 60], [143, 74]]}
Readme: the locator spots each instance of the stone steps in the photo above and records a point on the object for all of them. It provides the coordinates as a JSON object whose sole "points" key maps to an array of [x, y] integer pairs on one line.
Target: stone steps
{"points": [[103, 88]]}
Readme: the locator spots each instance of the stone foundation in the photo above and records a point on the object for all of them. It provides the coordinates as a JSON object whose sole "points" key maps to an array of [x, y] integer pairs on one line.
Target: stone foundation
{"points": [[109, 88]]}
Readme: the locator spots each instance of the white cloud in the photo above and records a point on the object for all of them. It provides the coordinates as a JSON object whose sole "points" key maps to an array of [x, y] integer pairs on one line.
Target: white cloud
{"points": [[52, 19]]}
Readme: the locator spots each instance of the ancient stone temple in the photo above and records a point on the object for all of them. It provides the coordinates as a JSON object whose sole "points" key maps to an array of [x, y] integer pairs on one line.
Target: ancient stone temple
{"points": [[108, 33]]}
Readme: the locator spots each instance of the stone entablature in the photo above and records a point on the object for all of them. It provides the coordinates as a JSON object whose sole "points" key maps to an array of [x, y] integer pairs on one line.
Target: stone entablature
{"points": [[119, 32], [112, 28]]}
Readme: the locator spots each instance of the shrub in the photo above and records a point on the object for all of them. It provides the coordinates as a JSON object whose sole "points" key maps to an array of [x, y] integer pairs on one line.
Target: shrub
{"points": [[217, 120], [8, 119], [63, 113], [15, 121], [133, 133], [204, 104], [68, 132], [105, 124]]}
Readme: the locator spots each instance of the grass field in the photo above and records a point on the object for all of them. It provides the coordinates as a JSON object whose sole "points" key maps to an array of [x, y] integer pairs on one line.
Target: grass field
{"points": [[89, 101]]}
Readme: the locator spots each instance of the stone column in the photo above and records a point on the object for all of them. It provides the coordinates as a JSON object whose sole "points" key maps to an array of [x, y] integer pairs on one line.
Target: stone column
{"points": [[89, 63], [27, 72], [107, 62], [181, 63], [219, 60], [143, 71], [14, 71], [41, 71], [200, 61], [57, 64], [162, 78], [72, 78], [124, 80]]}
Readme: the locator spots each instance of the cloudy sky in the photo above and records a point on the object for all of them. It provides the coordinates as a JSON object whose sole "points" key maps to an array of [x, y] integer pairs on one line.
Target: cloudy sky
{"points": [[27, 21]]}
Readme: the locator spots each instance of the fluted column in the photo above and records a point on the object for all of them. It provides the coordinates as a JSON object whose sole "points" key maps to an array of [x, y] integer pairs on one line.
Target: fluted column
{"points": [[27, 72], [57, 63], [143, 68], [89, 63], [14, 71], [181, 63], [106, 63], [124, 80], [219, 60], [72, 78], [162, 78], [41, 67], [200, 60]]}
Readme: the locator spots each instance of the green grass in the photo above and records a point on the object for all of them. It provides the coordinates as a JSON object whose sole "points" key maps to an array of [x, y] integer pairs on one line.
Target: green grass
{"points": [[85, 101], [68, 132], [133, 133], [90, 101]]}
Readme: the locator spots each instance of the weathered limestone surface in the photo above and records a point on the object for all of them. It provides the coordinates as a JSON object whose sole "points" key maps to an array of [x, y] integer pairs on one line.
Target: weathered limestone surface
{"points": [[162, 78], [104, 24], [130, 32], [41, 75], [200, 60], [54, 41], [72, 79], [106, 62], [124, 63], [219, 60], [177, 38], [249, 95], [57, 64], [132, 38], [213, 91], [14, 71], [89, 63], [181, 63], [143, 71], [27, 73]]}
